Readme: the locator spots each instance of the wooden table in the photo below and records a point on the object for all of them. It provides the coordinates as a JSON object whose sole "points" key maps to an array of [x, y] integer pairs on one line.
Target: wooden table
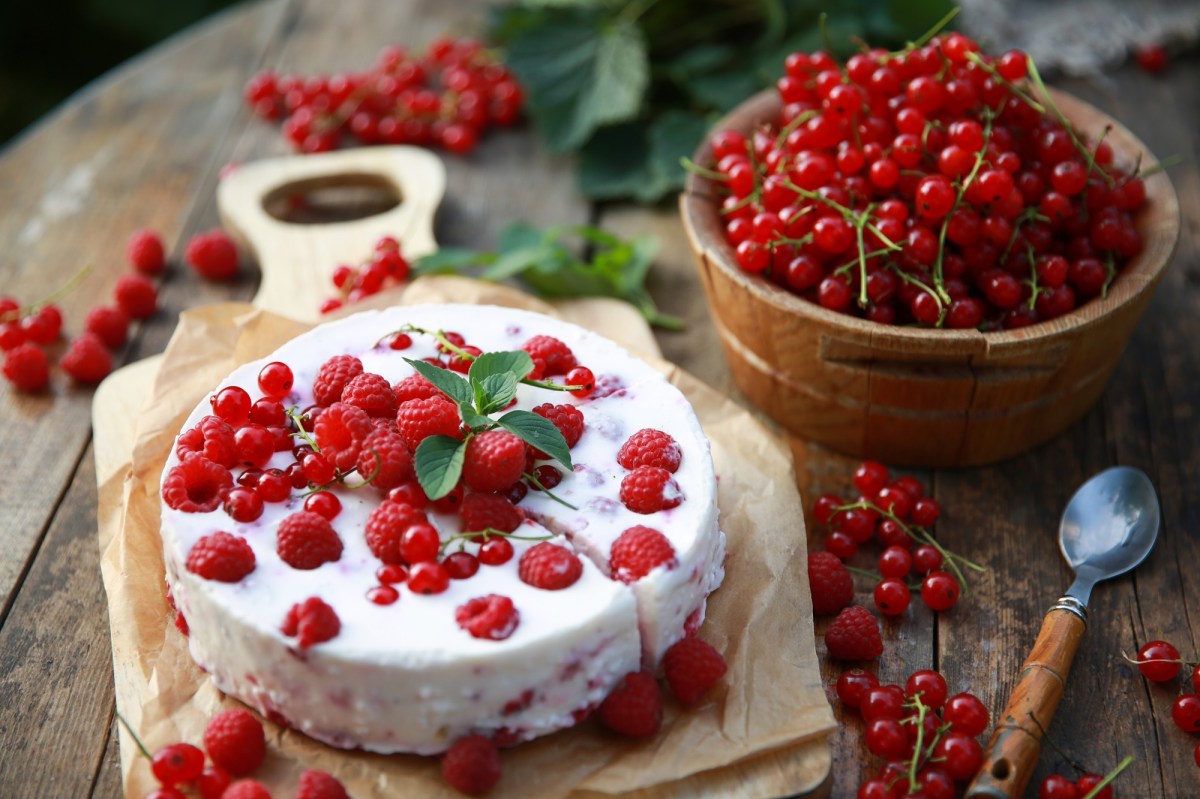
{"points": [[143, 146]]}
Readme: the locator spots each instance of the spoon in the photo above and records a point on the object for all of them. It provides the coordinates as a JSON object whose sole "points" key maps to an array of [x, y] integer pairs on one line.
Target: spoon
{"points": [[1109, 527]]}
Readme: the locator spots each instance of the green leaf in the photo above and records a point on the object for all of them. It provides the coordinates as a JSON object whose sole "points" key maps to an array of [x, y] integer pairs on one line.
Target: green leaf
{"points": [[514, 262], [581, 69], [615, 164], [471, 417], [672, 136], [447, 382], [498, 391], [538, 432], [439, 462], [517, 234], [514, 362], [450, 260]]}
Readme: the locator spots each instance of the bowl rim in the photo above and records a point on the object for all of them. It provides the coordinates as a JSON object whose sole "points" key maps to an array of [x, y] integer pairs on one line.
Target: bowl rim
{"points": [[1158, 221]]}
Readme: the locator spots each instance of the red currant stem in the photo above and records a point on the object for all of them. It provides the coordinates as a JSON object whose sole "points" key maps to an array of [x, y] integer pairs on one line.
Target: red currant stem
{"points": [[296, 416], [691, 166], [889, 245], [825, 40], [917, 749], [1033, 277], [938, 280], [1164, 164], [742, 203], [921, 534], [141, 746], [796, 122], [1089, 155], [366, 482], [1028, 215], [927, 35], [864, 572], [1103, 135], [907, 278], [488, 532], [538, 485], [1110, 273], [61, 291], [1112, 775], [862, 267], [805, 239], [1137, 662], [978, 61], [546, 384]]}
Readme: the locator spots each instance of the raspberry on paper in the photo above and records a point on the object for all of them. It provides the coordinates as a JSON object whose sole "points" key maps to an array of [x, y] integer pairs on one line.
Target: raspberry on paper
{"points": [[234, 741], [472, 765], [634, 707], [692, 667]]}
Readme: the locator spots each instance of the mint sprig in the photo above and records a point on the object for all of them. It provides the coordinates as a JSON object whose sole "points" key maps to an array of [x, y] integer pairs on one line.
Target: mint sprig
{"points": [[489, 387]]}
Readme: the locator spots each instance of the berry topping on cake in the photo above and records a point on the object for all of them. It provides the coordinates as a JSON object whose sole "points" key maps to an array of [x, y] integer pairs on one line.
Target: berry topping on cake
{"points": [[830, 582], [196, 485], [428, 577], [490, 512], [417, 419], [494, 461], [650, 447], [316, 784], [415, 386], [306, 540], [567, 418], [275, 380], [634, 708], [492, 617], [213, 438], [234, 741], [461, 565], [386, 525], [549, 566], [550, 356], [419, 543], [854, 635], [333, 376], [472, 765], [311, 622], [385, 459], [638, 551], [222, 557], [371, 392], [495, 551], [692, 667], [340, 431], [649, 489], [243, 504]]}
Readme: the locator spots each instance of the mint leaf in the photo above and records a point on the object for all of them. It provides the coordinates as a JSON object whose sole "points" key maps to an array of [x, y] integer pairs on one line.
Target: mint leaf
{"points": [[516, 362], [450, 261], [439, 462], [498, 391], [538, 432], [471, 417], [581, 70], [447, 382]]}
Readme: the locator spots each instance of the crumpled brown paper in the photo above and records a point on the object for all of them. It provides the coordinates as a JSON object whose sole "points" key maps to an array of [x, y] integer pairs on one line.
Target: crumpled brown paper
{"points": [[769, 704]]}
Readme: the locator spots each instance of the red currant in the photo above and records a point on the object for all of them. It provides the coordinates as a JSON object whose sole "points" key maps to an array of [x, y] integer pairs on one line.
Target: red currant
{"points": [[177, 763], [892, 597], [939, 591], [1158, 661], [1185, 712], [853, 685], [275, 380], [966, 714]]}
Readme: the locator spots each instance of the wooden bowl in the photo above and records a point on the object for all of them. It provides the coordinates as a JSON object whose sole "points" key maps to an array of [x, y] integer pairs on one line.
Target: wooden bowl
{"points": [[915, 396]]}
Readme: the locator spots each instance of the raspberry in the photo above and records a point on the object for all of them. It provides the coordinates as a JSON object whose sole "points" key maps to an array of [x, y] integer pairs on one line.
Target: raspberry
{"points": [[213, 438], [567, 418], [246, 789], [234, 741], [27, 368], [43, 327], [333, 376], [385, 456], [494, 461], [415, 386], [830, 582], [340, 432], [634, 708], [692, 667], [145, 252], [549, 566], [316, 784], [491, 617], [551, 355], [490, 512], [86, 360], [311, 622], [110, 325], [136, 296], [196, 485], [648, 489], [371, 392], [385, 527], [213, 255], [305, 540], [420, 418], [650, 447], [471, 765], [222, 557], [637, 552], [854, 635]]}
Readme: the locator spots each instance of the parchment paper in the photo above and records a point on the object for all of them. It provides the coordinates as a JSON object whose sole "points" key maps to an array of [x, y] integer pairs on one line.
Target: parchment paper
{"points": [[761, 617]]}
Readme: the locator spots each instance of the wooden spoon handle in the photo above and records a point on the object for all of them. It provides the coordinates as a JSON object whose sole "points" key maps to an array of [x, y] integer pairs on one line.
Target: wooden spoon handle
{"points": [[1017, 739]]}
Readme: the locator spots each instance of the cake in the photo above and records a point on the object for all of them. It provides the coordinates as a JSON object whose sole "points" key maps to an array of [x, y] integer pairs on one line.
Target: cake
{"points": [[329, 604]]}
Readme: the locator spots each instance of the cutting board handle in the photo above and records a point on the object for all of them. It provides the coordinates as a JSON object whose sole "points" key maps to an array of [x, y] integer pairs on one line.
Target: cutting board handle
{"points": [[1017, 739], [297, 260]]}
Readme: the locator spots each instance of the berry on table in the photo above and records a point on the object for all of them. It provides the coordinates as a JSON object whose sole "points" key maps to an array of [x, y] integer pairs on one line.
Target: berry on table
{"points": [[1159, 661], [213, 255], [235, 741], [109, 324], [136, 296], [830, 583], [145, 252], [854, 635], [27, 367]]}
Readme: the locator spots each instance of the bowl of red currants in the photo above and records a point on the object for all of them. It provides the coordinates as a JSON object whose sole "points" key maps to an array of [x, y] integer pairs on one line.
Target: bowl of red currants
{"points": [[925, 257]]}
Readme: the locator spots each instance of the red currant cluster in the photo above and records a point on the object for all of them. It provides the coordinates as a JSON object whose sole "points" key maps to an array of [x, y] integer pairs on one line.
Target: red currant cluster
{"points": [[445, 98], [384, 269], [1160, 662], [929, 187], [900, 515], [236, 747], [1056, 786], [928, 740]]}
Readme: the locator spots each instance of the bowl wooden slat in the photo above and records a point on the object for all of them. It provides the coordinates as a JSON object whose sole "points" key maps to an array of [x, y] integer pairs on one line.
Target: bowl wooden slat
{"points": [[916, 396]]}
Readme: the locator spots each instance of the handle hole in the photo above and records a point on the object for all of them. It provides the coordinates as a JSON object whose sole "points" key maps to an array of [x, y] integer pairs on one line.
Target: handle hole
{"points": [[1001, 769], [331, 199]]}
